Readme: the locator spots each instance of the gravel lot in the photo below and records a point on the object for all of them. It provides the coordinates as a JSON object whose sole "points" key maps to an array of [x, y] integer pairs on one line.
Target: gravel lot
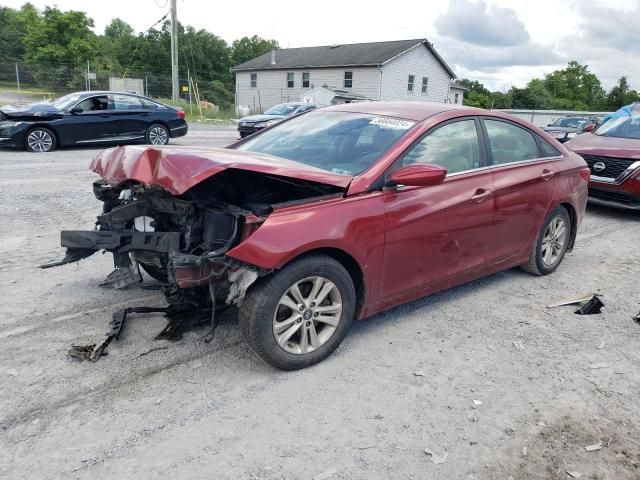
{"points": [[549, 382]]}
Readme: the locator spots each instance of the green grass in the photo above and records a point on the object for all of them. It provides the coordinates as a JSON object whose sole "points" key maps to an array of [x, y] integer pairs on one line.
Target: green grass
{"points": [[193, 114]]}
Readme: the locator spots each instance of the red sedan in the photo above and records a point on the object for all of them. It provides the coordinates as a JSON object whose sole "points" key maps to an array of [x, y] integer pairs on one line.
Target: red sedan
{"points": [[336, 215]]}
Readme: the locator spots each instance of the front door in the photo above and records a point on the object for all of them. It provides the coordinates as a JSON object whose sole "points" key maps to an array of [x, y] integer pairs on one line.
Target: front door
{"points": [[437, 232], [92, 124]]}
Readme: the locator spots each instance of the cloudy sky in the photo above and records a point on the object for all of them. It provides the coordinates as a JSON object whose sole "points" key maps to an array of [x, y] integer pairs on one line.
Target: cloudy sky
{"points": [[499, 42]]}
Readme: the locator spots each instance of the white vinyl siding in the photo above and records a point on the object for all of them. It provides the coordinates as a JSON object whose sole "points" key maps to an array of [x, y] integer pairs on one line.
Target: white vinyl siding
{"points": [[272, 86], [420, 62]]}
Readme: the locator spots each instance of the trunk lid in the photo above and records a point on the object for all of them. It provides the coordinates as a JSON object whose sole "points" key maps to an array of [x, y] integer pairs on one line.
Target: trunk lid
{"points": [[177, 169]]}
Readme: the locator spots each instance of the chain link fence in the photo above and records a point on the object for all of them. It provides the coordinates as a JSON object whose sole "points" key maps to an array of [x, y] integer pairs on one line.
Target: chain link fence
{"points": [[23, 83]]}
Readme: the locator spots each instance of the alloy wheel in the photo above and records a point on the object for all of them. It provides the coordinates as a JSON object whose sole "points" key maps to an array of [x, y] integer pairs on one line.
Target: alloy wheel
{"points": [[307, 315], [158, 136], [553, 241], [40, 141]]}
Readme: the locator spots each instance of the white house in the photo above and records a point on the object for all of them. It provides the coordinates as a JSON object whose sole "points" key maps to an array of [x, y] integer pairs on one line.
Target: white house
{"points": [[456, 93], [396, 70]]}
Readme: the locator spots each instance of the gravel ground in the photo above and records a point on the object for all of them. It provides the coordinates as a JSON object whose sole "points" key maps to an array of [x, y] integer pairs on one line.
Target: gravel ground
{"points": [[484, 376]]}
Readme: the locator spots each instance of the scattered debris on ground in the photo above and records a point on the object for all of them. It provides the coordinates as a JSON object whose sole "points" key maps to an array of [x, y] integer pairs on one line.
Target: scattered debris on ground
{"points": [[437, 459], [592, 307], [594, 447]]}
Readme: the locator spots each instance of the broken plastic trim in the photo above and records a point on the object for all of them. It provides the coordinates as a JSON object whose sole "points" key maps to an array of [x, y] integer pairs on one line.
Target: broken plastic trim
{"points": [[591, 307]]}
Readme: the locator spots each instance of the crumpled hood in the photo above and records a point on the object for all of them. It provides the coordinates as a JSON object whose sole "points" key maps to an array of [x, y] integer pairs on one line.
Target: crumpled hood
{"points": [[177, 169], [590, 144], [33, 110], [261, 118]]}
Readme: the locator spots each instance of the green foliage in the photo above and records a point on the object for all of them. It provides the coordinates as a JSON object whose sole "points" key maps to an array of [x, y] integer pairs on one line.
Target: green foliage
{"points": [[621, 95], [247, 48], [55, 45], [572, 88]]}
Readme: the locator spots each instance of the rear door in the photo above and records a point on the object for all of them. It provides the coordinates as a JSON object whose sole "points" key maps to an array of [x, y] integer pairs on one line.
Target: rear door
{"points": [[524, 171], [437, 232], [130, 117]]}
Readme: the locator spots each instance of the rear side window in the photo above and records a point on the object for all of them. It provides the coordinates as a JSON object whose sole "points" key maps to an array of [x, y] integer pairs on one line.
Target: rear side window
{"points": [[510, 143], [453, 146], [125, 102]]}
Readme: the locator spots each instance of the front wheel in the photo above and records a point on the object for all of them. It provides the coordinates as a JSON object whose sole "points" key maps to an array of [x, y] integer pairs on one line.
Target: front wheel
{"points": [[551, 244], [40, 139], [157, 135], [299, 315]]}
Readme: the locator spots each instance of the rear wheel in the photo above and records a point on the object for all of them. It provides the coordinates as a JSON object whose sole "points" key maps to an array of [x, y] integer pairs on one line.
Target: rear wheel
{"points": [[40, 139], [551, 244], [298, 316], [157, 135]]}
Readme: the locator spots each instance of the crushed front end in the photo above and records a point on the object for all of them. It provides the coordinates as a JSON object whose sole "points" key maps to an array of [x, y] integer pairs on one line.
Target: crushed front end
{"points": [[175, 216]]}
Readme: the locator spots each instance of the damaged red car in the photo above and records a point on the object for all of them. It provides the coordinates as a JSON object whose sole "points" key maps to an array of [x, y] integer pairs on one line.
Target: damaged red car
{"points": [[335, 215]]}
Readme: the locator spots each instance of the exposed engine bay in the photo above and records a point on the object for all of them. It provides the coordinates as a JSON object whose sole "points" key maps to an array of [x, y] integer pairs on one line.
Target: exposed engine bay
{"points": [[181, 241]]}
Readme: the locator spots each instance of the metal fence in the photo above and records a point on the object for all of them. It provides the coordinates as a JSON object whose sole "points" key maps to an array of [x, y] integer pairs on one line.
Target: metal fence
{"points": [[22, 83]]}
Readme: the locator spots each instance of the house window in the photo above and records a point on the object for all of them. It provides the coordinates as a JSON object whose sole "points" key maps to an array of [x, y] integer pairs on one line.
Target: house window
{"points": [[410, 82], [348, 79], [290, 82], [425, 84], [254, 80], [456, 98], [305, 80]]}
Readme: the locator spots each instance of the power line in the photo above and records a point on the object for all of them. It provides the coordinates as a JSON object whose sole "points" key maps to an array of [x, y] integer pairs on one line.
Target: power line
{"points": [[140, 37]]}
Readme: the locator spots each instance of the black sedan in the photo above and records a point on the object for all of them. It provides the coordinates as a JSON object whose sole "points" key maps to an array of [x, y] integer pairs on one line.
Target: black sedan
{"points": [[87, 118]]}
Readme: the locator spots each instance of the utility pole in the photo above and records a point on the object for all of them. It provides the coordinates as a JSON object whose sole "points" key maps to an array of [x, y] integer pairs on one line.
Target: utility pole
{"points": [[18, 81], [174, 52]]}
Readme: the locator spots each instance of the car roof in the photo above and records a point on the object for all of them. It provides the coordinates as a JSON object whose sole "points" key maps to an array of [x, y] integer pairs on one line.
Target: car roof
{"points": [[416, 111], [106, 92]]}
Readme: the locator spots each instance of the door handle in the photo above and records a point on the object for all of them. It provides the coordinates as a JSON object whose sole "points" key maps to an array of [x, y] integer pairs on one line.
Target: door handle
{"points": [[105, 115], [481, 195], [547, 175]]}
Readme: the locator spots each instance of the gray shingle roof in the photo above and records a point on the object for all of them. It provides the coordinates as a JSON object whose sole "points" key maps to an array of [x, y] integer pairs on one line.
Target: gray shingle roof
{"points": [[352, 55]]}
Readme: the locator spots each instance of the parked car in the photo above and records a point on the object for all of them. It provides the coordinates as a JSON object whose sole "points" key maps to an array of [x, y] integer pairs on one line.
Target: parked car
{"points": [[89, 118], [255, 123], [613, 155], [336, 215], [564, 129]]}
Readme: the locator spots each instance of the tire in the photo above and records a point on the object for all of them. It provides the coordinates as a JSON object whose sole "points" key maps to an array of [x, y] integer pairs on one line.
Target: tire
{"points": [[158, 273], [541, 262], [40, 139], [157, 134], [263, 313]]}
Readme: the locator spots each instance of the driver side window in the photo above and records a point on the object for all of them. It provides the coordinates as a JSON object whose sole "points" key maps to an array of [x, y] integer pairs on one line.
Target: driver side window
{"points": [[453, 146], [94, 104]]}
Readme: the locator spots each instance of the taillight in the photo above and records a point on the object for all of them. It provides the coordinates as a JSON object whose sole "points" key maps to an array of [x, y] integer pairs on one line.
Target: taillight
{"points": [[585, 173], [181, 114]]}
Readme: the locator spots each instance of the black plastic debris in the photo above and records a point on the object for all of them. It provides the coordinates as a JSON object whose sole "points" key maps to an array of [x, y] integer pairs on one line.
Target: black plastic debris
{"points": [[591, 307], [637, 317]]}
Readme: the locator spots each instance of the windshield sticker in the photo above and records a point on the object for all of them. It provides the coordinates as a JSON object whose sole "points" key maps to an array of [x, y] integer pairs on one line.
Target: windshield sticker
{"points": [[392, 123]]}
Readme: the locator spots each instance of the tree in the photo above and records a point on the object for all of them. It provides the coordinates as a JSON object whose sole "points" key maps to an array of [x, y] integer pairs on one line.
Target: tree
{"points": [[15, 25], [575, 87], [247, 48], [621, 95]]}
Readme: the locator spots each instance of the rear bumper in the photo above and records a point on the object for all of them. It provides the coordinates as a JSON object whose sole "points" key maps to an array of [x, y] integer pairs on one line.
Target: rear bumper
{"points": [[179, 131]]}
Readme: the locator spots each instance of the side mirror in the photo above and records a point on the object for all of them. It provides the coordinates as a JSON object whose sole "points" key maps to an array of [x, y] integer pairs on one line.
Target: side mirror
{"points": [[418, 175], [589, 128], [76, 110]]}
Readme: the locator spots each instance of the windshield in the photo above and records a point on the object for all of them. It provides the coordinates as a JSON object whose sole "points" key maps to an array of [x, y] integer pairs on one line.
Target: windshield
{"points": [[622, 127], [282, 109], [65, 102], [340, 142], [570, 123]]}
